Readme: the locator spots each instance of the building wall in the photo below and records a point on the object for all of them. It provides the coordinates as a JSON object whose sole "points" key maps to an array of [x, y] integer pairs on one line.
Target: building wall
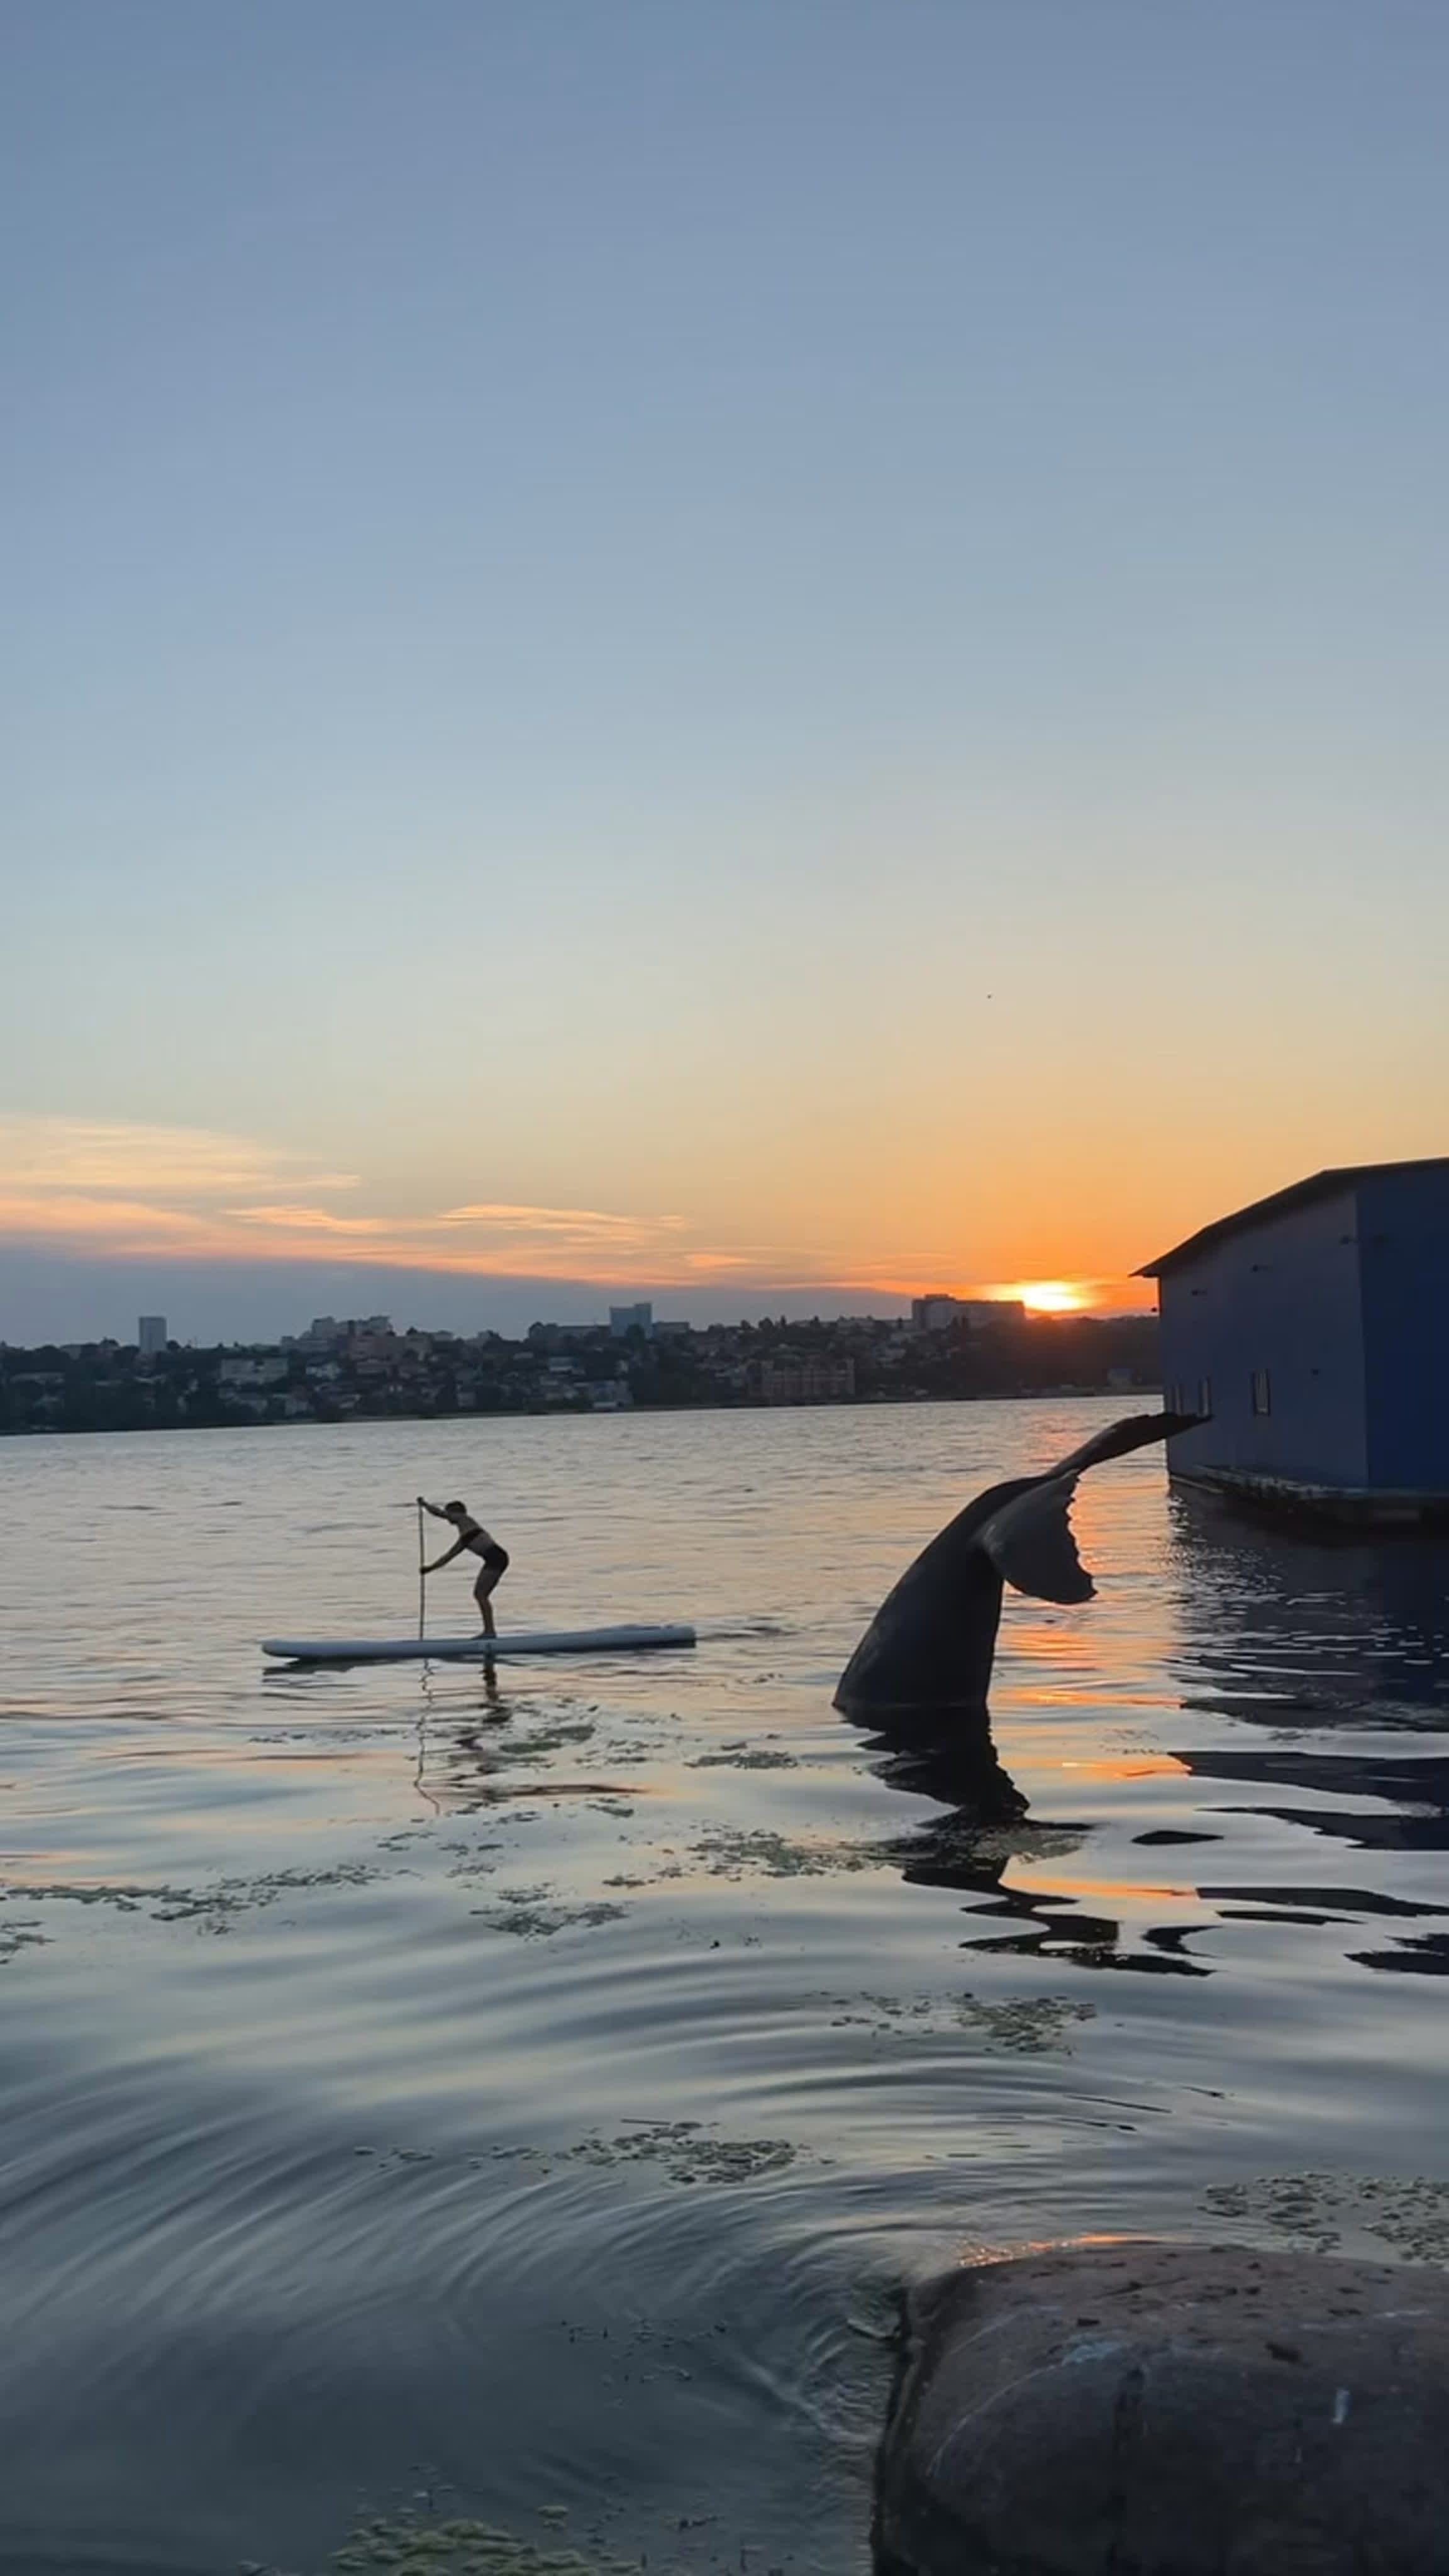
{"points": [[1282, 1297], [936, 1313], [809, 1379], [632, 1319], [1404, 1260]]}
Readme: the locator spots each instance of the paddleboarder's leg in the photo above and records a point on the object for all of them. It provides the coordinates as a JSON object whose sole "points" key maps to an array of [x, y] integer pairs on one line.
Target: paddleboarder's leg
{"points": [[495, 1564]]}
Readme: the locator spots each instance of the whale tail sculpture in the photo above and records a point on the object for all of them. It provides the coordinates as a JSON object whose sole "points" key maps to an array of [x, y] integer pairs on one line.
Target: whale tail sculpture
{"points": [[931, 1644]]}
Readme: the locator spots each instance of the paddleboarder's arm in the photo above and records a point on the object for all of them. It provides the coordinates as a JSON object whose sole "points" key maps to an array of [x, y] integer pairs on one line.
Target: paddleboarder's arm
{"points": [[440, 1561]]}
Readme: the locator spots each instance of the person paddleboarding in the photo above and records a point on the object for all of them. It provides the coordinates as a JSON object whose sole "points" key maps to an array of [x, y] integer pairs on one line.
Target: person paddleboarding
{"points": [[472, 1540]]}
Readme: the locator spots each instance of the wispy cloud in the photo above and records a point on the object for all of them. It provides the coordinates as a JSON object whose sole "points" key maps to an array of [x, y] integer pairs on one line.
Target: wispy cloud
{"points": [[119, 1188], [302, 1220], [581, 1225], [64, 1155], [113, 1188], [76, 1217], [490, 1235]]}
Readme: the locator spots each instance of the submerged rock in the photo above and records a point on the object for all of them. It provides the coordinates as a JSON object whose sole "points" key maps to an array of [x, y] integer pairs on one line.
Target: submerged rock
{"points": [[1160, 2410]]}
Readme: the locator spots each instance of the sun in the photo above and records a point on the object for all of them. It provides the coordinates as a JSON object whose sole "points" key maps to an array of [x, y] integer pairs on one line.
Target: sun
{"points": [[1051, 1297]]}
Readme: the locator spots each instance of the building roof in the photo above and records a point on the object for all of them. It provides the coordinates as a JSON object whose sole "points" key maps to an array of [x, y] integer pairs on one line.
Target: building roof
{"points": [[1322, 1185]]}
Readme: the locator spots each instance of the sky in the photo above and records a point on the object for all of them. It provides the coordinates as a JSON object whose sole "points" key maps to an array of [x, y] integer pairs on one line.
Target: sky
{"points": [[771, 652]]}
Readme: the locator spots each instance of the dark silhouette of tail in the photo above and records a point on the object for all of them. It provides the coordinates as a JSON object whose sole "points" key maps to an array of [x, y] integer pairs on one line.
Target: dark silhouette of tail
{"points": [[1120, 1437], [931, 1643]]}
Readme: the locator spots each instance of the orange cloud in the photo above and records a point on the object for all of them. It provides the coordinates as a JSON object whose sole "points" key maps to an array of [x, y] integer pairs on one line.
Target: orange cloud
{"points": [[118, 1187], [118, 1224], [122, 1188], [64, 1155], [493, 1237], [581, 1224]]}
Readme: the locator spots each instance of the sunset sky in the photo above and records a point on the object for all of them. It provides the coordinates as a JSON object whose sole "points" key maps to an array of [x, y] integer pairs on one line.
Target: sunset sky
{"points": [[770, 651]]}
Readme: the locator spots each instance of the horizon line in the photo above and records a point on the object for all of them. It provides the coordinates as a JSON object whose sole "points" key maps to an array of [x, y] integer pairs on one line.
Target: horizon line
{"points": [[569, 1324]]}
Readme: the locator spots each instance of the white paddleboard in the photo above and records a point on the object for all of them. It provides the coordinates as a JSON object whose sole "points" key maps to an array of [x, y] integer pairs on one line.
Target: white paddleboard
{"points": [[542, 1641]]}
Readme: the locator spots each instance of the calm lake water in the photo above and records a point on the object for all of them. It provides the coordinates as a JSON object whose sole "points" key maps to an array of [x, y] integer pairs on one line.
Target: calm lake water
{"points": [[519, 2104]]}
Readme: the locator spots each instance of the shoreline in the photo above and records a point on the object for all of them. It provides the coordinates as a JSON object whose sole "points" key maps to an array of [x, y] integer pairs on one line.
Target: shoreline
{"points": [[240, 1421]]}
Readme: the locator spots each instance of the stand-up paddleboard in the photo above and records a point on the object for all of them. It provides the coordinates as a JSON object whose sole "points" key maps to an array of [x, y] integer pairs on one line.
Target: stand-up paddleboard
{"points": [[474, 1649]]}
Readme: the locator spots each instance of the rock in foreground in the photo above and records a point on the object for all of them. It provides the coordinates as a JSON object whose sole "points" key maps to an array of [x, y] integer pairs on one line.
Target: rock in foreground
{"points": [[1159, 2410]]}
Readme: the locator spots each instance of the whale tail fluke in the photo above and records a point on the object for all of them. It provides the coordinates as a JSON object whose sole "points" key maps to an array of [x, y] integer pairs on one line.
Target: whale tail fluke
{"points": [[929, 1648], [1121, 1437], [1030, 1543]]}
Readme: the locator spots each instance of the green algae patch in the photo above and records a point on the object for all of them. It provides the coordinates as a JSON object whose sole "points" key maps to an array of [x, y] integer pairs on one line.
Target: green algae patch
{"points": [[1028, 2025], [742, 1757], [212, 1908], [465, 2548], [1023, 2025], [730, 1853], [1407, 2213], [527, 1913], [686, 2153], [993, 1845]]}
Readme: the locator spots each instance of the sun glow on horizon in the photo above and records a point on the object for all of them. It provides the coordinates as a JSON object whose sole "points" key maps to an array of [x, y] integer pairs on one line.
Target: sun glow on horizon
{"points": [[1054, 1296], [109, 1188]]}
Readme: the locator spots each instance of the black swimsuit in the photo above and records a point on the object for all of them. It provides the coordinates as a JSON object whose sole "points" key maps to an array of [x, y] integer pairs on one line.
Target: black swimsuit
{"points": [[493, 1557]]}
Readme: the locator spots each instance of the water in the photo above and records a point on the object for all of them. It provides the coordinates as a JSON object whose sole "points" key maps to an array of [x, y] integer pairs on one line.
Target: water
{"points": [[519, 2103]]}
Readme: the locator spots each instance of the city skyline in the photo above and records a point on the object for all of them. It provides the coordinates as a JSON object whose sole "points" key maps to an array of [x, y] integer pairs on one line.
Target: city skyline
{"points": [[770, 657], [371, 1368], [95, 1298], [155, 1332]]}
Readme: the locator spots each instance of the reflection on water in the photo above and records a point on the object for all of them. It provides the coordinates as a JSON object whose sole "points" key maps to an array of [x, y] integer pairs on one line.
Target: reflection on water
{"points": [[516, 2098], [1341, 1647], [1274, 1622]]}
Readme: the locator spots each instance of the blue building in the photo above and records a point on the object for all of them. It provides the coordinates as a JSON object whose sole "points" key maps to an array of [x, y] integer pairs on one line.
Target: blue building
{"points": [[1314, 1328]]}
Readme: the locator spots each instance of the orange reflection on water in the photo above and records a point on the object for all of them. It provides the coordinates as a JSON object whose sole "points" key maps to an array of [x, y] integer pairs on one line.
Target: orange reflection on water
{"points": [[1048, 1641], [1099, 1766], [1093, 1698], [1114, 1891], [1063, 2244], [1131, 1766]]}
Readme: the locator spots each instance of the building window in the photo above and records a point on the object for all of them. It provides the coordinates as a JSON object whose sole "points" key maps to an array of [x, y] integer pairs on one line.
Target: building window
{"points": [[1262, 1392], [1204, 1395]]}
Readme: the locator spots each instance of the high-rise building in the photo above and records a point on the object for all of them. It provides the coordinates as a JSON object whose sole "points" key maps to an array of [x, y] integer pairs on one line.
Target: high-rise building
{"points": [[150, 1335], [937, 1313], [632, 1319]]}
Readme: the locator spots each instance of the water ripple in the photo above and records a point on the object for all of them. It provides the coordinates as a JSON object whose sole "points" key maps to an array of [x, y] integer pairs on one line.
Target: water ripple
{"points": [[428, 2093]]}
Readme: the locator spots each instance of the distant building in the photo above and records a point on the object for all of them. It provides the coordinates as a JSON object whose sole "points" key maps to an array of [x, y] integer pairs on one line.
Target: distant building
{"points": [[664, 1332], [933, 1314], [1311, 1327], [632, 1319], [252, 1369], [806, 1378], [150, 1335], [937, 1313], [324, 1333]]}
